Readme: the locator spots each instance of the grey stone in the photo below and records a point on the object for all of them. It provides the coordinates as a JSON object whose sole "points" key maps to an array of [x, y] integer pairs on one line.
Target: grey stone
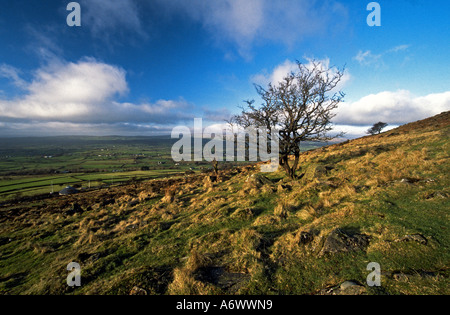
{"points": [[418, 238], [347, 284], [342, 241]]}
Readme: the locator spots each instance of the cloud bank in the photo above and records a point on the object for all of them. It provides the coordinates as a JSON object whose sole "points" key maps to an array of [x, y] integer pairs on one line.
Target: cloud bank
{"points": [[85, 93], [395, 108]]}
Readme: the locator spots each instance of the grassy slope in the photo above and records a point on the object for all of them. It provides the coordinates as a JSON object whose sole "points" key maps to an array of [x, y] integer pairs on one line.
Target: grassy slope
{"points": [[191, 236]]}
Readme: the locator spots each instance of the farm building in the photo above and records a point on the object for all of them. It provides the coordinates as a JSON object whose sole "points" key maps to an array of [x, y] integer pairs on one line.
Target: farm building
{"points": [[69, 190]]}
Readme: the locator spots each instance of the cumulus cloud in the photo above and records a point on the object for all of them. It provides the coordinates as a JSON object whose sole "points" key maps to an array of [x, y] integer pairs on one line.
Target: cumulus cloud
{"points": [[86, 92], [282, 70], [276, 75], [67, 92], [395, 108]]}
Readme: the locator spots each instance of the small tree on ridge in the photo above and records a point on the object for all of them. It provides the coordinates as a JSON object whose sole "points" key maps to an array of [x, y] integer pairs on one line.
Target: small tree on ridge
{"points": [[377, 128]]}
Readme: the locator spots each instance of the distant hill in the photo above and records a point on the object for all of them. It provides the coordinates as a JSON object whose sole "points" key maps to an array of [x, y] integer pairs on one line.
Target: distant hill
{"points": [[381, 199]]}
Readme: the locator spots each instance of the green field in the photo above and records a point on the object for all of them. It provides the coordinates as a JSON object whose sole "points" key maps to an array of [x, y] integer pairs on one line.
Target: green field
{"points": [[33, 166]]}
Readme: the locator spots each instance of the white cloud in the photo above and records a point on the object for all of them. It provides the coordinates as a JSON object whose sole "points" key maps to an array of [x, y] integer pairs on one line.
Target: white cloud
{"points": [[394, 108], [276, 75], [66, 92], [12, 74], [367, 58], [282, 70], [399, 48], [86, 92]]}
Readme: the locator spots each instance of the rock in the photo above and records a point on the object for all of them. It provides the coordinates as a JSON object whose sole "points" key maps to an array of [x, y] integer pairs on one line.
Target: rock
{"points": [[400, 277], [414, 238], [221, 278], [435, 194], [409, 180], [347, 284], [341, 241], [346, 288], [138, 291], [257, 181], [351, 288]]}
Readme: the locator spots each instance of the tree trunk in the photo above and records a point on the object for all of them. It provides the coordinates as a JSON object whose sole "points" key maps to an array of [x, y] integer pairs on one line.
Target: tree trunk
{"points": [[290, 170], [296, 160]]}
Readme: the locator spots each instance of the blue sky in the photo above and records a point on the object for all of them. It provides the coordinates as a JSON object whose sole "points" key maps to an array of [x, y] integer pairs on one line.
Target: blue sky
{"points": [[138, 67]]}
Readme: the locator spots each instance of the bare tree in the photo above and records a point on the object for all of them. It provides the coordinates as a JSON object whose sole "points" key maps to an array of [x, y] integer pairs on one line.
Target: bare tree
{"points": [[377, 128], [300, 108]]}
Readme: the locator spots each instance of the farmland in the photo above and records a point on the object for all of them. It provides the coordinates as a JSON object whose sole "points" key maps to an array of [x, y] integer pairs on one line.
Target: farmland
{"points": [[31, 166], [35, 166]]}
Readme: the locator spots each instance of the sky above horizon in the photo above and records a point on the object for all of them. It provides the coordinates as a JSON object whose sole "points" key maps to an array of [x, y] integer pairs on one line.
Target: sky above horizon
{"points": [[138, 67]]}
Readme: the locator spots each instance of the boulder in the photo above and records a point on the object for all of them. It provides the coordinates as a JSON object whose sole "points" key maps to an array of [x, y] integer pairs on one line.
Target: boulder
{"points": [[138, 291], [351, 288], [343, 241], [418, 238], [257, 181]]}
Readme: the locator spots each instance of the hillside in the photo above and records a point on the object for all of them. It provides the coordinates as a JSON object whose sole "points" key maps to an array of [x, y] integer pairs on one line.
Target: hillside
{"points": [[381, 199]]}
